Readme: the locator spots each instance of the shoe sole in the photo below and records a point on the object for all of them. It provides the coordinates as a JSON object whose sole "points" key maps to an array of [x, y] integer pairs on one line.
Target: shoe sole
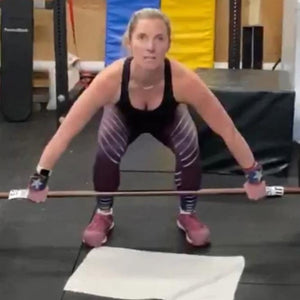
{"points": [[205, 243], [103, 241]]}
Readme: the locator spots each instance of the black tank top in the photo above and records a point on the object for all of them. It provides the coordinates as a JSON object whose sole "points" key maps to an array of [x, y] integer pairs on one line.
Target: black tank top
{"points": [[147, 120]]}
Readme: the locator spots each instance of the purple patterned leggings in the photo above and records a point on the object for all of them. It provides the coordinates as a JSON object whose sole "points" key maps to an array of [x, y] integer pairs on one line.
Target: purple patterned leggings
{"points": [[180, 135]]}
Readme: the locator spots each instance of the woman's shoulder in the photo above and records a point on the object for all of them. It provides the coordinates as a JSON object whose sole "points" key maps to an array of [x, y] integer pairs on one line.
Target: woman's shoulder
{"points": [[180, 70], [181, 73], [114, 69], [184, 80]]}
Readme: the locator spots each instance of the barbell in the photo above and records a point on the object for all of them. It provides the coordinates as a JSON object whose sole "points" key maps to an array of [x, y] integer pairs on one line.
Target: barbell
{"points": [[271, 191]]}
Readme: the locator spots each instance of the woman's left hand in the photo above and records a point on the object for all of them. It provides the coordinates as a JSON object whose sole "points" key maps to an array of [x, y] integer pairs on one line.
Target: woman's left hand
{"points": [[255, 191]]}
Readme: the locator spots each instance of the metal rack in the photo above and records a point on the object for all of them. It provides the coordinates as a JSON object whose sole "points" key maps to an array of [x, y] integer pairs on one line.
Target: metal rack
{"points": [[235, 10], [61, 58]]}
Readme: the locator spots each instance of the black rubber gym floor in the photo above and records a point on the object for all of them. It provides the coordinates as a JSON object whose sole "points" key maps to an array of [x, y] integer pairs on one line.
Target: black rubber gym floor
{"points": [[40, 244]]}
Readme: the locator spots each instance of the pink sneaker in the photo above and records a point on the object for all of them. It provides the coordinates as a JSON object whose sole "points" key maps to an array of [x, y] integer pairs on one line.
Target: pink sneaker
{"points": [[96, 232], [197, 233]]}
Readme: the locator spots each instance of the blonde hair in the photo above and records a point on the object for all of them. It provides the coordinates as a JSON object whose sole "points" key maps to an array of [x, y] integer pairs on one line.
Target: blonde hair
{"points": [[145, 13]]}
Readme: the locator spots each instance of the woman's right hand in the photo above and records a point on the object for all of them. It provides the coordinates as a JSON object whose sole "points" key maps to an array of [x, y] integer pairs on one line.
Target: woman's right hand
{"points": [[37, 188]]}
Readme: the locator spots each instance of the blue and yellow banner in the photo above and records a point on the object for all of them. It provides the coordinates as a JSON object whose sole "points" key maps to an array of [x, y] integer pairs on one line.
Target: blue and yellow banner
{"points": [[192, 22]]}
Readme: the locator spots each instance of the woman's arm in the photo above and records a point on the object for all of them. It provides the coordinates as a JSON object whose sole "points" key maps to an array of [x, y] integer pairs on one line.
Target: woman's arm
{"points": [[100, 92], [194, 92]]}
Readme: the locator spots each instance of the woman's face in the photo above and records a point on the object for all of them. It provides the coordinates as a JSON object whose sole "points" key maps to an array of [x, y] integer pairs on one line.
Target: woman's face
{"points": [[149, 43]]}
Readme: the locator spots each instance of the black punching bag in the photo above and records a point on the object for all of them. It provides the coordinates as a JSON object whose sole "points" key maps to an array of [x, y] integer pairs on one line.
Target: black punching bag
{"points": [[16, 59]]}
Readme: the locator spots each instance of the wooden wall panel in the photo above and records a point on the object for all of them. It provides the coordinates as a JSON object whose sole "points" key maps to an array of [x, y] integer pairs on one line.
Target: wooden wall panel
{"points": [[90, 26], [222, 24], [90, 31], [272, 22]]}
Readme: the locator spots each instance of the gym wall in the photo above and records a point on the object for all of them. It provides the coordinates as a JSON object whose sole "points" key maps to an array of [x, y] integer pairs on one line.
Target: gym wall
{"points": [[90, 30], [271, 12]]}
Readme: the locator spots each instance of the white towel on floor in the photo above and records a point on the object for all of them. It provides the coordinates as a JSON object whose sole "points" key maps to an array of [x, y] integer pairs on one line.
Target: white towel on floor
{"points": [[134, 274]]}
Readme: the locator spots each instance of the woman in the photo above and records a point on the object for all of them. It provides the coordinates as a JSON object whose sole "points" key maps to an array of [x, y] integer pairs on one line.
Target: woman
{"points": [[146, 92]]}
